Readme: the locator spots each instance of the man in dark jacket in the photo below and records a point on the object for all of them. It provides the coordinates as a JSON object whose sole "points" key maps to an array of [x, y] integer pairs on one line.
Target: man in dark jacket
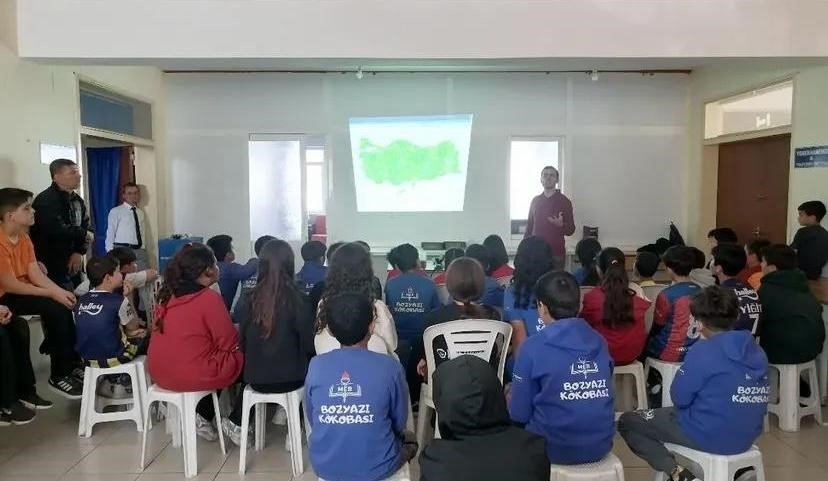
{"points": [[61, 233], [792, 331], [478, 441]]}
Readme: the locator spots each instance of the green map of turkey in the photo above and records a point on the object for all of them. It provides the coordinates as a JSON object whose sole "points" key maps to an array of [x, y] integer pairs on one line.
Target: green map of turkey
{"points": [[403, 162]]}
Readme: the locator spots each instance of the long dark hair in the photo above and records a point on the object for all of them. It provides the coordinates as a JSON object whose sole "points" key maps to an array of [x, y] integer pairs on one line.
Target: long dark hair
{"points": [[618, 297], [586, 250], [532, 260], [181, 276], [350, 271], [274, 296], [465, 281], [497, 252]]}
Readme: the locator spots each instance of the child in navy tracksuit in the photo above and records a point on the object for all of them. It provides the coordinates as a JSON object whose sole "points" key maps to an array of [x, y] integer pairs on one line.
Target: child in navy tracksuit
{"points": [[562, 383], [720, 393], [313, 271], [356, 401]]}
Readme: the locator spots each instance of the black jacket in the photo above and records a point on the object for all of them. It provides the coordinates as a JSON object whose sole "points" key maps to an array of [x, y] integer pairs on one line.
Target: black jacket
{"points": [[811, 244], [478, 441], [284, 356], [791, 328], [59, 230]]}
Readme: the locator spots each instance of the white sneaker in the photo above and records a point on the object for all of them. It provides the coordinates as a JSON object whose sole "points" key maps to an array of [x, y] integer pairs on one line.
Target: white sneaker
{"points": [[234, 432], [205, 429], [280, 418]]}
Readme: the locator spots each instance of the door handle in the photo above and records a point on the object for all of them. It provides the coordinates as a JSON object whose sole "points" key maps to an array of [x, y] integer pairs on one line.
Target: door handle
{"points": [[757, 231]]}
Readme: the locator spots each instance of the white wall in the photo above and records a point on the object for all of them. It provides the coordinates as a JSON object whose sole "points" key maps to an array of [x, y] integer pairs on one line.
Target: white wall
{"points": [[624, 146], [808, 128], [421, 29], [39, 103]]}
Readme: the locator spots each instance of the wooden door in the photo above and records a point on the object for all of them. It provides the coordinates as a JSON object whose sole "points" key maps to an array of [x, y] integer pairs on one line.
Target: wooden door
{"points": [[753, 187]]}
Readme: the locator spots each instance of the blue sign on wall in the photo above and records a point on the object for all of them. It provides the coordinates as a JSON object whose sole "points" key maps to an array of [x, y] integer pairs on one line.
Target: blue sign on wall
{"points": [[805, 157]]}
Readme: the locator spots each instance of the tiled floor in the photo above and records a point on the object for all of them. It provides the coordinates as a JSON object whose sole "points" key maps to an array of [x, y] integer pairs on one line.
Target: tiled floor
{"points": [[49, 449]]}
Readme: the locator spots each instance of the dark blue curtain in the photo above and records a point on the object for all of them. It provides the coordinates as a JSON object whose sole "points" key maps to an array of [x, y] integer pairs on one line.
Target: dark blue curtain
{"points": [[104, 189]]}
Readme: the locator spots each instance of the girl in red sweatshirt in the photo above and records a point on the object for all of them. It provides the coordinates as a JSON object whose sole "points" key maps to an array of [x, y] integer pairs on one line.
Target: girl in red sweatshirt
{"points": [[194, 346]]}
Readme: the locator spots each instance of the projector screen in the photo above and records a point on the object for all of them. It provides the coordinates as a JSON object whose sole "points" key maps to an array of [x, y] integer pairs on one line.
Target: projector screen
{"points": [[410, 164]]}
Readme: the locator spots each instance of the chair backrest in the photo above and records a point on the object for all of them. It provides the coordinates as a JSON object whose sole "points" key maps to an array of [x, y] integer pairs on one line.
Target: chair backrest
{"points": [[652, 293], [477, 337]]}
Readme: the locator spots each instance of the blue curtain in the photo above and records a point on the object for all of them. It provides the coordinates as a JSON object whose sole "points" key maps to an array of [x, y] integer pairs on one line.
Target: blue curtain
{"points": [[104, 189]]}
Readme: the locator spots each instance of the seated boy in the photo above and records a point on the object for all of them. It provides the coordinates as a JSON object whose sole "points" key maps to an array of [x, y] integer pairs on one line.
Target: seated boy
{"points": [[811, 245], [791, 326], [728, 261], [752, 272], [646, 265], [562, 382], [313, 271], [108, 329], [493, 291], [18, 397], [720, 394], [357, 402], [720, 235], [702, 273], [674, 329], [231, 273], [128, 265], [26, 290], [249, 284], [474, 425]]}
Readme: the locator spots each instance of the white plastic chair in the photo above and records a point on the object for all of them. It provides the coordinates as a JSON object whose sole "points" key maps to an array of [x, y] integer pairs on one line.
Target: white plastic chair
{"points": [[185, 404], [636, 370], [668, 372], [652, 293], [92, 405], [607, 469], [291, 402], [789, 408], [719, 468], [402, 474], [477, 337], [822, 358]]}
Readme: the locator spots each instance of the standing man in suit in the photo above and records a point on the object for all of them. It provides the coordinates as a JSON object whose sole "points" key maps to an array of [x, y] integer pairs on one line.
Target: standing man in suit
{"points": [[61, 233], [127, 227], [550, 216]]}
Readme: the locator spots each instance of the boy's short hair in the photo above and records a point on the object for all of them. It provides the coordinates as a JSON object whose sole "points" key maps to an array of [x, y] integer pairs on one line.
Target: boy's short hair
{"points": [[221, 245], [730, 257], [313, 251], [349, 317], [332, 249], [559, 292], [716, 307], [98, 267], [59, 164], [680, 259], [813, 207], [780, 256], [699, 259], [756, 246], [407, 257], [480, 253], [261, 242], [724, 235], [11, 199], [123, 256], [646, 264], [451, 255]]}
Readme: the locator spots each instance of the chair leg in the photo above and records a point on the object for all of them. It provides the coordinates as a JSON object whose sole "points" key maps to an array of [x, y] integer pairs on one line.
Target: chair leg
{"points": [[137, 400], [190, 437], [87, 400], [245, 426], [641, 391], [259, 414], [422, 419], [218, 424], [295, 434], [144, 438]]}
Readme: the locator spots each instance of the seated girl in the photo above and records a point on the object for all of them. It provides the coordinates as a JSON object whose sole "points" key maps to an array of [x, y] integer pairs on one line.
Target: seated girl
{"points": [[499, 267]]}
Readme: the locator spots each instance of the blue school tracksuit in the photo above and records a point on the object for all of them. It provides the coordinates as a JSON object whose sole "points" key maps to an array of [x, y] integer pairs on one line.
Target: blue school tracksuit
{"points": [[721, 393], [309, 275], [562, 390], [357, 404], [529, 316], [493, 293], [409, 296]]}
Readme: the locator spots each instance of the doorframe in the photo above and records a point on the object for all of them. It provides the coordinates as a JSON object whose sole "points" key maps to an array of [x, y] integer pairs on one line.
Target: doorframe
{"points": [[708, 210]]}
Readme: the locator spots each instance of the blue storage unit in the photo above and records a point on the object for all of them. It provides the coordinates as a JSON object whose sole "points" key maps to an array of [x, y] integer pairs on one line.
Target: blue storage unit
{"points": [[168, 247]]}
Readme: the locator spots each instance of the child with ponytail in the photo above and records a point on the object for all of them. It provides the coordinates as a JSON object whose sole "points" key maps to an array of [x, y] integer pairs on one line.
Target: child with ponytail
{"points": [[615, 309], [194, 345]]}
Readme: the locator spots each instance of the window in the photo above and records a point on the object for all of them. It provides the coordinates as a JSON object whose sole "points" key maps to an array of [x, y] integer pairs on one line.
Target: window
{"points": [[315, 184], [757, 110], [527, 158], [101, 109], [276, 187]]}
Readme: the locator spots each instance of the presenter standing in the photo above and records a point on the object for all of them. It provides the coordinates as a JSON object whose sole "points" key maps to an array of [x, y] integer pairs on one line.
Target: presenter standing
{"points": [[126, 227], [550, 216]]}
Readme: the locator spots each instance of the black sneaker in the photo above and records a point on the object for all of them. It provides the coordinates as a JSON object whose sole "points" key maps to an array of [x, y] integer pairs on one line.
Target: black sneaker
{"points": [[66, 386], [682, 474], [33, 401], [77, 373], [16, 414]]}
